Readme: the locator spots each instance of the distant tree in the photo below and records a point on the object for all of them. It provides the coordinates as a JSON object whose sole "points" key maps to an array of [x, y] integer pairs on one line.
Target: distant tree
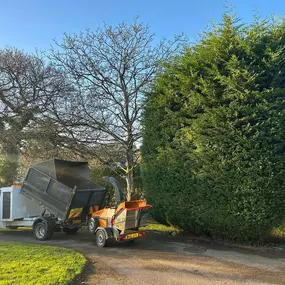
{"points": [[110, 70], [27, 84]]}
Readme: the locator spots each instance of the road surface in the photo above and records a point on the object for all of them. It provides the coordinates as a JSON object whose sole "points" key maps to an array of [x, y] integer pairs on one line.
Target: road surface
{"points": [[165, 260]]}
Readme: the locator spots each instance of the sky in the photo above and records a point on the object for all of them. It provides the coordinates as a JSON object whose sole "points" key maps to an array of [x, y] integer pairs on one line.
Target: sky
{"points": [[34, 24]]}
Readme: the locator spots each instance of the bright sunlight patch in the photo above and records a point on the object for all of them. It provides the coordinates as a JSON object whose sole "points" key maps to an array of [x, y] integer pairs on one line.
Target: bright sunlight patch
{"points": [[30, 264], [151, 226]]}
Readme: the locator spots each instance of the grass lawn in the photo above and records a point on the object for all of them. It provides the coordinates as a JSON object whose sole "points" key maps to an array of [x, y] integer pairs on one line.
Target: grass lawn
{"points": [[29, 264], [154, 226]]}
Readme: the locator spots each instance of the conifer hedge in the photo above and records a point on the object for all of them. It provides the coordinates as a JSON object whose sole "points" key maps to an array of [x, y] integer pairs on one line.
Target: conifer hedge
{"points": [[214, 133]]}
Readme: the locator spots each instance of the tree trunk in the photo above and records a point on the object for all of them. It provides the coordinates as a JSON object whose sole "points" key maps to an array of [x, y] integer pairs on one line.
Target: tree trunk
{"points": [[130, 184], [130, 173]]}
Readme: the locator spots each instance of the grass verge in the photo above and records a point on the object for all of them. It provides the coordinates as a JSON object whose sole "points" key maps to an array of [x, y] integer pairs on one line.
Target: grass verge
{"points": [[153, 226], [30, 264], [276, 238]]}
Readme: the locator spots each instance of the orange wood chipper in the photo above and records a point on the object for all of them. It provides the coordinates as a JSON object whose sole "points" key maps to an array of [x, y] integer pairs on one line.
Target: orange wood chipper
{"points": [[120, 223]]}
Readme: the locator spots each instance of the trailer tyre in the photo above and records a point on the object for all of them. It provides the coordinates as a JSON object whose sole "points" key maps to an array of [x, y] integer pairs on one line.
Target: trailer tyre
{"points": [[101, 239], [42, 232]]}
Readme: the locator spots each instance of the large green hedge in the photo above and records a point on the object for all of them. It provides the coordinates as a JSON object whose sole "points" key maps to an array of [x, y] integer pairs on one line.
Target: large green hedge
{"points": [[214, 133]]}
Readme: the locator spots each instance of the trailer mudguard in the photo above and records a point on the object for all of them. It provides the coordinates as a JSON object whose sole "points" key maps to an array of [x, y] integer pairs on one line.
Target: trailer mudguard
{"points": [[49, 222], [108, 232]]}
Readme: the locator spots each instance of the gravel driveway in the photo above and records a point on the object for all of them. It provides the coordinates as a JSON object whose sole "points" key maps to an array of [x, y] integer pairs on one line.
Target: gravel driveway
{"points": [[165, 260]]}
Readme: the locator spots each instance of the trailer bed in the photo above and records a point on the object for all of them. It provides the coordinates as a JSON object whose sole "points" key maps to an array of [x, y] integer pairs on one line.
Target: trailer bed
{"points": [[61, 186]]}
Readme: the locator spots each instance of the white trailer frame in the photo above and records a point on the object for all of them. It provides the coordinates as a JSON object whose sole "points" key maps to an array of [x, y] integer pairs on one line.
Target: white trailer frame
{"points": [[16, 210]]}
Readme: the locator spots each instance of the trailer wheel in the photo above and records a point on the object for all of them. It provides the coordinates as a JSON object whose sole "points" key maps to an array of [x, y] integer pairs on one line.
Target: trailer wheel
{"points": [[101, 239], [42, 232]]}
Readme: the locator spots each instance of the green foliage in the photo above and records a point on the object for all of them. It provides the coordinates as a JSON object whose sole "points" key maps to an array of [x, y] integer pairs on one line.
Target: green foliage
{"points": [[9, 162], [27, 264], [214, 138]]}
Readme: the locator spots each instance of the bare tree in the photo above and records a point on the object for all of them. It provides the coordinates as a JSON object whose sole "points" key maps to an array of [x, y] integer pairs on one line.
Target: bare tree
{"points": [[110, 70]]}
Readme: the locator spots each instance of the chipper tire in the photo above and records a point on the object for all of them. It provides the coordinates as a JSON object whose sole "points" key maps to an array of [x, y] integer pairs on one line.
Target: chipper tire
{"points": [[42, 231], [101, 238]]}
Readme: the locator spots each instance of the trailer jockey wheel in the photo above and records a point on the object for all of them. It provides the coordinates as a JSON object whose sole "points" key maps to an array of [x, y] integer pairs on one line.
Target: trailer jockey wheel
{"points": [[41, 231], [101, 238]]}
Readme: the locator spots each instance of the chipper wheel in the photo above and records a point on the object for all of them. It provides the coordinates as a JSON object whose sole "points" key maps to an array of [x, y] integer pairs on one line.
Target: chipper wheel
{"points": [[101, 239]]}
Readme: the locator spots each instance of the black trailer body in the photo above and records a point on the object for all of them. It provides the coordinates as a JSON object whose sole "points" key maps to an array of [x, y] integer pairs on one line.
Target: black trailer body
{"points": [[64, 190]]}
